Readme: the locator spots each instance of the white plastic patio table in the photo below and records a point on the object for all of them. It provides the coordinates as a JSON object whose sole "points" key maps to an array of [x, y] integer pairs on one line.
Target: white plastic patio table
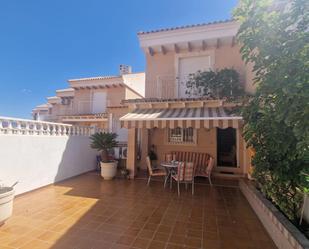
{"points": [[170, 169]]}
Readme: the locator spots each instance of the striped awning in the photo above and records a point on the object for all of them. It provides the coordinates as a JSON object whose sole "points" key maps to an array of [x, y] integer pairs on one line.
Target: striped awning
{"points": [[181, 117]]}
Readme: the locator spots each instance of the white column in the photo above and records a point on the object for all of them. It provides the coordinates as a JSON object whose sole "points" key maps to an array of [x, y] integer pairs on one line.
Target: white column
{"points": [[110, 123], [132, 151]]}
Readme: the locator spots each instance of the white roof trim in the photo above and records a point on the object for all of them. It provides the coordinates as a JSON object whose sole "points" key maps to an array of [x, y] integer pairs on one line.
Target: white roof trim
{"points": [[198, 33]]}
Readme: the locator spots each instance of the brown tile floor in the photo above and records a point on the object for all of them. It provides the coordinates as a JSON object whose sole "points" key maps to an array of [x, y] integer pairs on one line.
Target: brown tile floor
{"points": [[88, 213]]}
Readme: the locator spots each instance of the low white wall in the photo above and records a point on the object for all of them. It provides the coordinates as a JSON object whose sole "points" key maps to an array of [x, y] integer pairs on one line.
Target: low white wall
{"points": [[36, 161], [284, 234], [306, 208]]}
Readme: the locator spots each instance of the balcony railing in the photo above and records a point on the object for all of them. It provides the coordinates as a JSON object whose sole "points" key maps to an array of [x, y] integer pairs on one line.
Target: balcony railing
{"points": [[32, 127], [45, 118], [85, 117], [85, 107], [169, 86], [166, 86]]}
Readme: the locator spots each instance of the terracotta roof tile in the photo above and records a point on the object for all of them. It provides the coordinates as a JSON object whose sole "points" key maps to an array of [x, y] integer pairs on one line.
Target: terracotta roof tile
{"points": [[65, 90], [184, 27], [95, 78]]}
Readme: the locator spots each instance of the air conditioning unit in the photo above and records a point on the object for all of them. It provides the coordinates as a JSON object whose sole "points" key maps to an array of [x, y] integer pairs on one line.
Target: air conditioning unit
{"points": [[123, 152], [117, 153]]}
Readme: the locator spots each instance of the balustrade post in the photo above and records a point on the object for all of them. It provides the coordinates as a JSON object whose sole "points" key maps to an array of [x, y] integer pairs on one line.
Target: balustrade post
{"points": [[66, 130], [52, 130], [1, 127], [30, 127], [41, 132], [18, 128], [27, 128], [79, 130], [10, 127]]}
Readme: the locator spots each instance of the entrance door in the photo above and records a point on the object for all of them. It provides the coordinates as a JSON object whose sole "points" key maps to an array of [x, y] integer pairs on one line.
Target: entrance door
{"points": [[190, 65], [99, 102], [226, 147]]}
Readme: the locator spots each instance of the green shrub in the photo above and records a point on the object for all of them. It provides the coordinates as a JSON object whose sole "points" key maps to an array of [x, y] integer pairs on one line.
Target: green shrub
{"points": [[276, 41], [103, 141], [215, 84]]}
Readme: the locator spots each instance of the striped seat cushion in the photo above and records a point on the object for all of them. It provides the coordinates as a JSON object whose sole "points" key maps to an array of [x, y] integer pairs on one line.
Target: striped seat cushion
{"points": [[200, 160], [185, 172]]}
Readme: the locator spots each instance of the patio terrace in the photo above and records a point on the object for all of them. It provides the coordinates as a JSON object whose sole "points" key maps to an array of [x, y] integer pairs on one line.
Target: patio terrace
{"points": [[86, 212]]}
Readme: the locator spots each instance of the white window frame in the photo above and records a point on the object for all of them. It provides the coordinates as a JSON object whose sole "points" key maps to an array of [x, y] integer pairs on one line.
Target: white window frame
{"points": [[181, 137], [210, 53]]}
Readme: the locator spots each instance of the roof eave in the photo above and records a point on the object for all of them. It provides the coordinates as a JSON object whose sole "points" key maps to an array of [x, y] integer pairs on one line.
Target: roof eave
{"points": [[196, 34]]}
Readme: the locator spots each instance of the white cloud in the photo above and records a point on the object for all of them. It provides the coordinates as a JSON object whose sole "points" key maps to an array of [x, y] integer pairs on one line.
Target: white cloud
{"points": [[26, 91]]}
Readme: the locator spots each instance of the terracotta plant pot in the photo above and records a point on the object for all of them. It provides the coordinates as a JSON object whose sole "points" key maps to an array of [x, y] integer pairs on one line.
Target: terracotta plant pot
{"points": [[6, 203], [108, 170]]}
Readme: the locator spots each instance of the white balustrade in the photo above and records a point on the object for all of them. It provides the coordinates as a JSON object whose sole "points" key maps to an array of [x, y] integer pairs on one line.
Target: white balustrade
{"points": [[14, 126]]}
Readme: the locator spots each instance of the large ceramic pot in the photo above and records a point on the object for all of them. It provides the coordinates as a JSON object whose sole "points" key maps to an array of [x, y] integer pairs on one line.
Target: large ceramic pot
{"points": [[108, 170], [6, 203]]}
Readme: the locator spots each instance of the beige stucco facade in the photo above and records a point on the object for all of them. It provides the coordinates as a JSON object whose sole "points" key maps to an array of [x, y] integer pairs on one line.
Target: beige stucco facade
{"points": [[166, 52], [164, 67], [95, 101], [206, 143], [171, 55], [205, 138]]}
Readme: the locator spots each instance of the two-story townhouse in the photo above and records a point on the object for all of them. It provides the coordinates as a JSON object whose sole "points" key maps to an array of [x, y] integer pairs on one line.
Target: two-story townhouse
{"points": [[95, 101], [43, 112], [56, 106], [168, 119], [98, 100]]}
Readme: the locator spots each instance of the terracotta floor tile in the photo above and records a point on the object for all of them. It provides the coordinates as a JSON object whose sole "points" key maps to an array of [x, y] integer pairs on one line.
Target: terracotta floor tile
{"points": [[163, 237], [156, 245], [131, 232], [119, 246], [20, 241], [125, 240], [177, 239], [36, 244], [164, 229], [173, 246], [141, 243], [151, 226], [211, 244], [146, 234], [50, 236], [193, 242], [92, 225], [86, 212]]}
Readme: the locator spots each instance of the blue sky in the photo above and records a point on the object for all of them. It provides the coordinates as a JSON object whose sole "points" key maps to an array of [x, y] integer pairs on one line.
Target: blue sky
{"points": [[44, 43]]}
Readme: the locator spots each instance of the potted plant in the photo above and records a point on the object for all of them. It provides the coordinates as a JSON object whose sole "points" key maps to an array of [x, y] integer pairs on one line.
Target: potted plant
{"points": [[125, 173], [103, 142], [6, 203]]}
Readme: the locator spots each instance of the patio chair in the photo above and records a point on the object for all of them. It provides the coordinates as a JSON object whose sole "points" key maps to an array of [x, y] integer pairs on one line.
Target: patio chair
{"points": [[153, 171], [185, 174], [205, 171]]}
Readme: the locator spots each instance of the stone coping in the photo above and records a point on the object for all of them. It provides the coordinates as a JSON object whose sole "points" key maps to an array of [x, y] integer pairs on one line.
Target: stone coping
{"points": [[289, 232]]}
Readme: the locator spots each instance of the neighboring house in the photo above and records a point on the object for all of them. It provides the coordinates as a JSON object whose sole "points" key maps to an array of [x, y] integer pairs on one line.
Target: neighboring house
{"points": [[43, 112], [95, 101], [171, 121]]}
